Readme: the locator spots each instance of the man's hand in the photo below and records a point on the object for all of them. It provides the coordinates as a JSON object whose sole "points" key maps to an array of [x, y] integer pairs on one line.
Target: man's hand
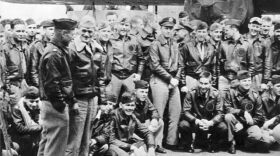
{"points": [[207, 123], [184, 89], [238, 127], [151, 151], [248, 118], [75, 109], [201, 124], [153, 125], [174, 82], [136, 77]]}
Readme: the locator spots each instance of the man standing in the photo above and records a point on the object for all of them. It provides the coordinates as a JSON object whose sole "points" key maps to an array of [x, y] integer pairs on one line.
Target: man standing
{"points": [[128, 61], [275, 48], [237, 48], [262, 54], [202, 114], [198, 57], [166, 66], [15, 50], [266, 28], [147, 114], [37, 50], [84, 76], [56, 90], [31, 30], [244, 113]]}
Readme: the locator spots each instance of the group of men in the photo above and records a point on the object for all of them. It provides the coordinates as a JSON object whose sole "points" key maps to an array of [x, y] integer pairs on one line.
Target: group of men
{"points": [[82, 88]]}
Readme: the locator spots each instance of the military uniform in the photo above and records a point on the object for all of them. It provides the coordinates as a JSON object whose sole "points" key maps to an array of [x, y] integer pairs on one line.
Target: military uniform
{"points": [[275, 55], [122, 137], [198, 106], [127, 60], [236, 103], [56, 91], [166, 63]]}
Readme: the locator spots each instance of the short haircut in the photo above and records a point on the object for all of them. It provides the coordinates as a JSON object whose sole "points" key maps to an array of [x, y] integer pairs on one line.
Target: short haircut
{"points": [[16, 22], [234, 27], [134, 19], [4, 22], [110, 13], [202, 25], [205, 74]]}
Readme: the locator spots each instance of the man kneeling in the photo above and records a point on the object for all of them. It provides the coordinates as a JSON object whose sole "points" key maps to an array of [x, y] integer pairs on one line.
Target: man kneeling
{"points": [[124, 125]]}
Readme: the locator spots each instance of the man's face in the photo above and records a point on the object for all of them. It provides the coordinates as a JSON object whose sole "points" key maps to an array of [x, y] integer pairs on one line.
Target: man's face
{"points": [[86, 34], [266, 27], [19, 32], [111, 18], [216, 35], [245, 83], [49, 32], [139, 25], [229, 32], [184, 20], [67, 36], [105, 34], [32, 29], [180, 34], [204, 84], [32, 103], [8, 28], [276, 89], [166, 31], [277, 34], [201, 35], [124, 28], [128, 108], [141, 94], [2, 37], [254, 29], [106, 108]]}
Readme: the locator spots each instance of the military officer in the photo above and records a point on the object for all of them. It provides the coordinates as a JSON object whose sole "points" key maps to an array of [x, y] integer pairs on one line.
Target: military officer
{"points": [[166, 66], [128, 61], [202, 114], [37, 50], [31, 30], [84, 70], [271, 108], [244, 113], [266, 28], [147, 114], [275, 50], [56, 90]]}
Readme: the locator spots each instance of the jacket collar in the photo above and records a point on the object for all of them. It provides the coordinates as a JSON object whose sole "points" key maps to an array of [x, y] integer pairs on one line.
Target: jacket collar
{"points": [[59, 44], [13, 44], [163, 41], [209, 94], [119, 37]]}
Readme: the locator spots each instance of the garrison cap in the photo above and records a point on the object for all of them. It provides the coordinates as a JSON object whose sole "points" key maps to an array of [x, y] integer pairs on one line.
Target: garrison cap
{"points": [[243, 74], [47, 23], [202, 25], [256, 20], [124, 19], [65, 24], [31, 93], [275, 79], [215, 26], [103, 25], [30, 21], [178, 27], [183, 14], [127, 98], [168, 22], [141, 84], [87, 21]]}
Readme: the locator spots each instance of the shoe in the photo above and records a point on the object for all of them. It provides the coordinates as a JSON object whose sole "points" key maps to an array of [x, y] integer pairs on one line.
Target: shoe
{"points": [[171, 147], [189, 149], [212, 148], [160, 150], [232, 149]]}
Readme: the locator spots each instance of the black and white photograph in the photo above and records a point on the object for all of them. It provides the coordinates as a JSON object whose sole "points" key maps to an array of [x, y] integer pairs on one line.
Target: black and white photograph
{"points": [[139, 77]]}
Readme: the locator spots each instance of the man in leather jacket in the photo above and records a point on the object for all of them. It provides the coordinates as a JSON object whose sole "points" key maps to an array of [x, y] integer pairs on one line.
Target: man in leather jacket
{"points": [[56, 90], [124, 124], [26, 128], [36, 52], [82, 53]]}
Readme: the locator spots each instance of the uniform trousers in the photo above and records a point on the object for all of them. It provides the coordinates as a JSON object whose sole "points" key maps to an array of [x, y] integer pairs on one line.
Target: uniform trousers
{"points": [[55, 130], [79, 131], [163, 97]]}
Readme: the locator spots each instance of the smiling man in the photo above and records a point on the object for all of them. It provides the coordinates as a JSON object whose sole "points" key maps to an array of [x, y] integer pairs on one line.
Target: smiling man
{"points": [[244, 114], [202, 114], [266, 28], [124, 125]]}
